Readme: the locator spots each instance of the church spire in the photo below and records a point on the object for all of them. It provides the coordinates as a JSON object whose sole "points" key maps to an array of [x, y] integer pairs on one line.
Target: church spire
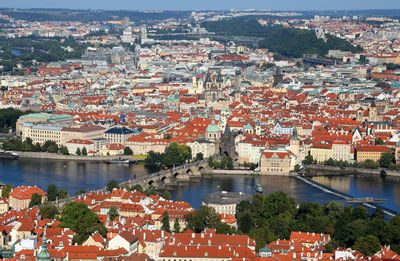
{"points": [[295, 135], [44, 254]]}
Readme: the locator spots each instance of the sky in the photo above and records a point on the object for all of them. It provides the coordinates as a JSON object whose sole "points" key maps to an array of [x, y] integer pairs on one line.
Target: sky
{"points": [[205, 4]]}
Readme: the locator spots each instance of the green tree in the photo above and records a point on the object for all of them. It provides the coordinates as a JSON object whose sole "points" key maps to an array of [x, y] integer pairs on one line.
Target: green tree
{"points": [[177, 227], [176, 155], [37, 147], [128, 151], [386, 159], [261, 236], [354, 230], [80, 192], [80, 219], [308, 160], [166, 195], [84, 151], [113, 213], [112, 185], [224, 229], [367, 245], [154, 160], [62, 194], [52, 192], [370, 164], [136, 187], [332, 246], [246, 221], [36, 200], [224, 162], [379, 141], [330, 162], [205, 217], [6, 190], [165, 222], [78, 152], [199, 156], [48, 210], [5, 130], [333, 210], [378, 213], [150, 190], [64, 150], [9, 116], [229, 163], [211, 162], [50, 146], [297, 167]]}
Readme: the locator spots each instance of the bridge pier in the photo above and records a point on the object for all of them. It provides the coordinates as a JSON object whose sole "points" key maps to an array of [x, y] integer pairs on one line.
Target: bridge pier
{"points": [[183, 178]]}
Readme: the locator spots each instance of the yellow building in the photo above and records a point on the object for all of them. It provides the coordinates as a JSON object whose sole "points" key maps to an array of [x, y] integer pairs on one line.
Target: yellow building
{"points": [[3, 205], [275, 163], [131, 210], [321, 152], [371, 152]]}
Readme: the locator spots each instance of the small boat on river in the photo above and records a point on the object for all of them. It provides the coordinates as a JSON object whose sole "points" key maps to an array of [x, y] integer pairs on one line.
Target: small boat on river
{"points": [[118, 161], [8, 155]]}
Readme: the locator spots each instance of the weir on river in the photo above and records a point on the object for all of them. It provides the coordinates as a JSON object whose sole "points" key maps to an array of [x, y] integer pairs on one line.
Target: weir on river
{"points": [[343, 195]]}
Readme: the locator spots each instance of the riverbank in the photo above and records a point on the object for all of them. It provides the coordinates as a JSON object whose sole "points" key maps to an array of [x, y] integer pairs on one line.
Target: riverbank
{"points": [[244, 172], [232, 172], [323, 170], [54, 156]]}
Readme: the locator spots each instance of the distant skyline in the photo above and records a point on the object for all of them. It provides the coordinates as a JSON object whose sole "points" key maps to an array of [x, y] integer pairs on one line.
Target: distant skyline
{"points": [[205, 4]]}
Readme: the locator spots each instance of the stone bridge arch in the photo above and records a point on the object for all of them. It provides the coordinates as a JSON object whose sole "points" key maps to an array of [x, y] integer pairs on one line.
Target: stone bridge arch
{"points": [[201, 169]]}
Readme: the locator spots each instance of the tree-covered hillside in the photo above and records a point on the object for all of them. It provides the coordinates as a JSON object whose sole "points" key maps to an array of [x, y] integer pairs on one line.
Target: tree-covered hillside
{"points": [[90, 15], [285, 41]]}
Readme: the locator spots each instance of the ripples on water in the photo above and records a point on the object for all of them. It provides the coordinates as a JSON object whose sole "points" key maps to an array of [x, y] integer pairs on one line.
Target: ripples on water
{"points": [[76, 175], [71, 176]]}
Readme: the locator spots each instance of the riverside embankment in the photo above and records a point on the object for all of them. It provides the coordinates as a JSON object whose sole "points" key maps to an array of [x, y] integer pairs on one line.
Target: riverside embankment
{"points": [[324, 170], [55, 156]]}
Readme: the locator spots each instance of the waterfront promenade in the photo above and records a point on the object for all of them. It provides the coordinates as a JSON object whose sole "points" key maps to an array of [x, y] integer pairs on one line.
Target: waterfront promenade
{"points": [[324, 170], [55, 156]]}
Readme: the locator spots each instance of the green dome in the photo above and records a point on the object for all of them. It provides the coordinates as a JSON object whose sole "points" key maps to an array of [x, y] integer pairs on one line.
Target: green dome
{"points": [[248, 127], [213, 128], [44, 255]]}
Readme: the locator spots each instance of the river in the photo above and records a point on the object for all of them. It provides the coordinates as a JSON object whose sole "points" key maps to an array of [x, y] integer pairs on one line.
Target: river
{"points": [[76, 175]]}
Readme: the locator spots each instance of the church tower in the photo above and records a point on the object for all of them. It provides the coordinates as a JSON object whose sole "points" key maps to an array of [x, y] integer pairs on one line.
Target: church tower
{"points": [[295, 142], [258, 128], [373, 112], [44, 254]]}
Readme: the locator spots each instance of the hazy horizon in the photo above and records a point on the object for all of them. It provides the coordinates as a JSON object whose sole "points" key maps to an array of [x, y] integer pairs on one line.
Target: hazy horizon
{"points": [[184, 5]]}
